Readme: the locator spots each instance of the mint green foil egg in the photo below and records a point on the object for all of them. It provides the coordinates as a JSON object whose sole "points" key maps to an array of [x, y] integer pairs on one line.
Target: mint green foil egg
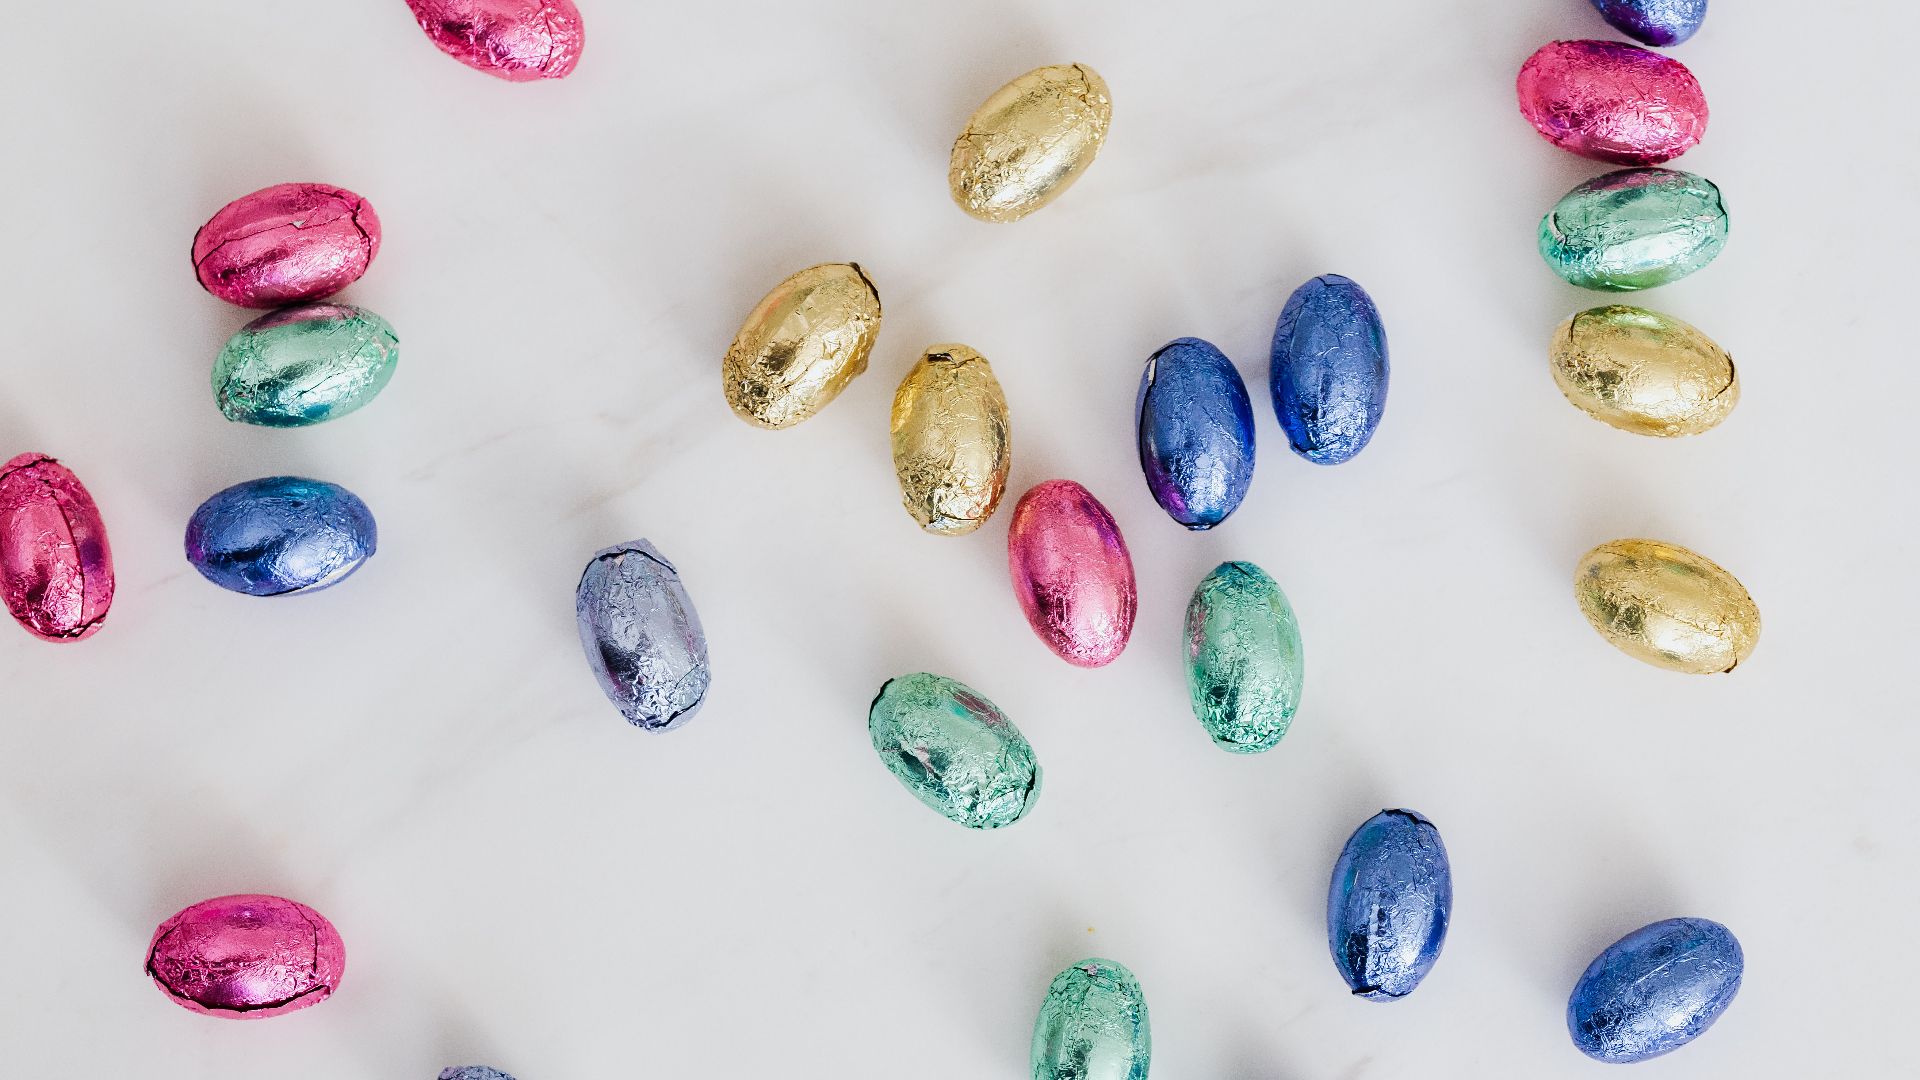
{"points": [[1092, 1025], [1244, 661], [305, 364], [1634, 229], [954, 750]]}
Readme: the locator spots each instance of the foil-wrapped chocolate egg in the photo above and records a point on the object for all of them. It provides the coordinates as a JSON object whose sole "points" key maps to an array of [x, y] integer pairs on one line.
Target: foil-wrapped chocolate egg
{"points": [[286, 244], [1329, 369], [473, 1072], [1244, 660], [1029, 142], [1072, 573], [279, 535], [1092, 1025], [1667, 606], [1655, 990], [515, 40], [1388, 905], [954, 750], [801, 345], [952, 446], [1193, 425], [1654, 22], [1634, 229], [642, 636], [1611, 101], [1644, 372], [304, 365], [56, 570], [247, 957]]}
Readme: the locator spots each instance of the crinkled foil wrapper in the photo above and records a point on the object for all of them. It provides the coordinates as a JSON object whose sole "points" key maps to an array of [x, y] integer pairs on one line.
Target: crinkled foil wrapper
{"points": [[1072, 573], [515, 40], [1245, 663], [952, 444], [642, 636], [1611, 101], [954, 750], [1329, 369], [1644, 372], [1388, 905], [1668, 606], [801, 345], [1093, 1025], [304, 365], [1654, 22], [56, 568], [247, 957], [280, 535], [286, 244], [1193, 428], [1029, 142], [1634, 229], [1655, 990]]}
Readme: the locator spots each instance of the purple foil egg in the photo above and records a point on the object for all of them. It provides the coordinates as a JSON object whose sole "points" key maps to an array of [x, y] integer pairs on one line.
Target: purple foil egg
{"points": [[56, 570], [1654, 22], [286, 244], [1072, 573], [1611, 101], [247, 957], [515, 40]]}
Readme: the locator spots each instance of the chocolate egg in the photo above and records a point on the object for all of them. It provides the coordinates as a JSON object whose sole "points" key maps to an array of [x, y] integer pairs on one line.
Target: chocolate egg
{"points": [[1244, 660], [56, 570], [280, 534], [1329, 369], [1654, 22], [1644, 372], [1612, 101], [286, 244], [801, 345], [304, 365], [1193, 424], [473, 1072], [1667, 606], [954, 750], [1634, 229], [1071, 573], [1029, 142], [247, 957], [1388, 906], [1092, 1026], [515, 40], [643, 638], [1655, 990], [951, 443]]}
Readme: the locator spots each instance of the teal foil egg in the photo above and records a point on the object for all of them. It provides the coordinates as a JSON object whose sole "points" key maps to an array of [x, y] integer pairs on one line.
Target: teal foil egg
{"points": [[1092, 1025], [1634, 229], [303, 365], [954, 750], [1244, 660]]}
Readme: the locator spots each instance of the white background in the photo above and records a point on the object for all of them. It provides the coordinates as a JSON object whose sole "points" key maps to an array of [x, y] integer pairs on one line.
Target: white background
{"points": [[523, 880]]}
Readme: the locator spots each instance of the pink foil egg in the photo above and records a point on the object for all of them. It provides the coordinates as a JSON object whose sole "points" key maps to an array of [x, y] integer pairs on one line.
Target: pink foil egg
{"points": [[246, 957], [286, 244], [515, 40], [1071, 573], [1612, 101], [56, 570]]}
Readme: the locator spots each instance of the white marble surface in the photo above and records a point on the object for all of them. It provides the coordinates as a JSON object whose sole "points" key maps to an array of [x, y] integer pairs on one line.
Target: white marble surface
{"points": [[523, 880]]}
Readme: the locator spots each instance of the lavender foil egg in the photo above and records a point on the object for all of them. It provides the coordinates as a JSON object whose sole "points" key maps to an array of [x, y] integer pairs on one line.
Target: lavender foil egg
{"points": [[1655, 990], [247, 957], [515, 40], [1611, 101], [1329, 369], [56, 570], [1072, 573], [643, 638], [473, 1072], [1388, 905], [1193, 422], [280, 534], [1654, 22], [286, 244]]}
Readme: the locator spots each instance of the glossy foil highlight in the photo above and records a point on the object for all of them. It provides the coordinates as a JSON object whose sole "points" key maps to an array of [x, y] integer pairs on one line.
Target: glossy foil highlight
{"points": [[56, 569], [1071, 573], [515, 40], [1611, 101], [286, 244], [247, 957]]}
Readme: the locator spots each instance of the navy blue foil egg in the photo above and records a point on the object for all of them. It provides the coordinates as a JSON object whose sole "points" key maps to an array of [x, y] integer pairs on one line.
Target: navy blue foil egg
{"points": [[1388, 906], [1195, 426], [1654, 22], [1655, 990], [1329, 371], [643, 638], [280, 534]]}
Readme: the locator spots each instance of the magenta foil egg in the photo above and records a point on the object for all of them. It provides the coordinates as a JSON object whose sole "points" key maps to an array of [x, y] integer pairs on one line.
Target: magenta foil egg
{"points": [[1611, 101], [247, 957], [56, 570], [1071, 573], [285, 245], [515, 40]]}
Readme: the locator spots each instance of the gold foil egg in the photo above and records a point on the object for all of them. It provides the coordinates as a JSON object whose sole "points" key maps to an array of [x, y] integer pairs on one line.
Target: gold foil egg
{"points": [[803, 343], [951, 444], [1029, 142], [1644, 372], [1667, 606]]}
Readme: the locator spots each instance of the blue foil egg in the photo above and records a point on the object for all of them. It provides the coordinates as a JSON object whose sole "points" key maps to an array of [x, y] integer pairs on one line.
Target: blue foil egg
{"points": [[1194, 423], [1388, 906], [1654, 22], [1330, 368], [642, 636], [280, 534], [1655, 990], [473, 1072]]}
